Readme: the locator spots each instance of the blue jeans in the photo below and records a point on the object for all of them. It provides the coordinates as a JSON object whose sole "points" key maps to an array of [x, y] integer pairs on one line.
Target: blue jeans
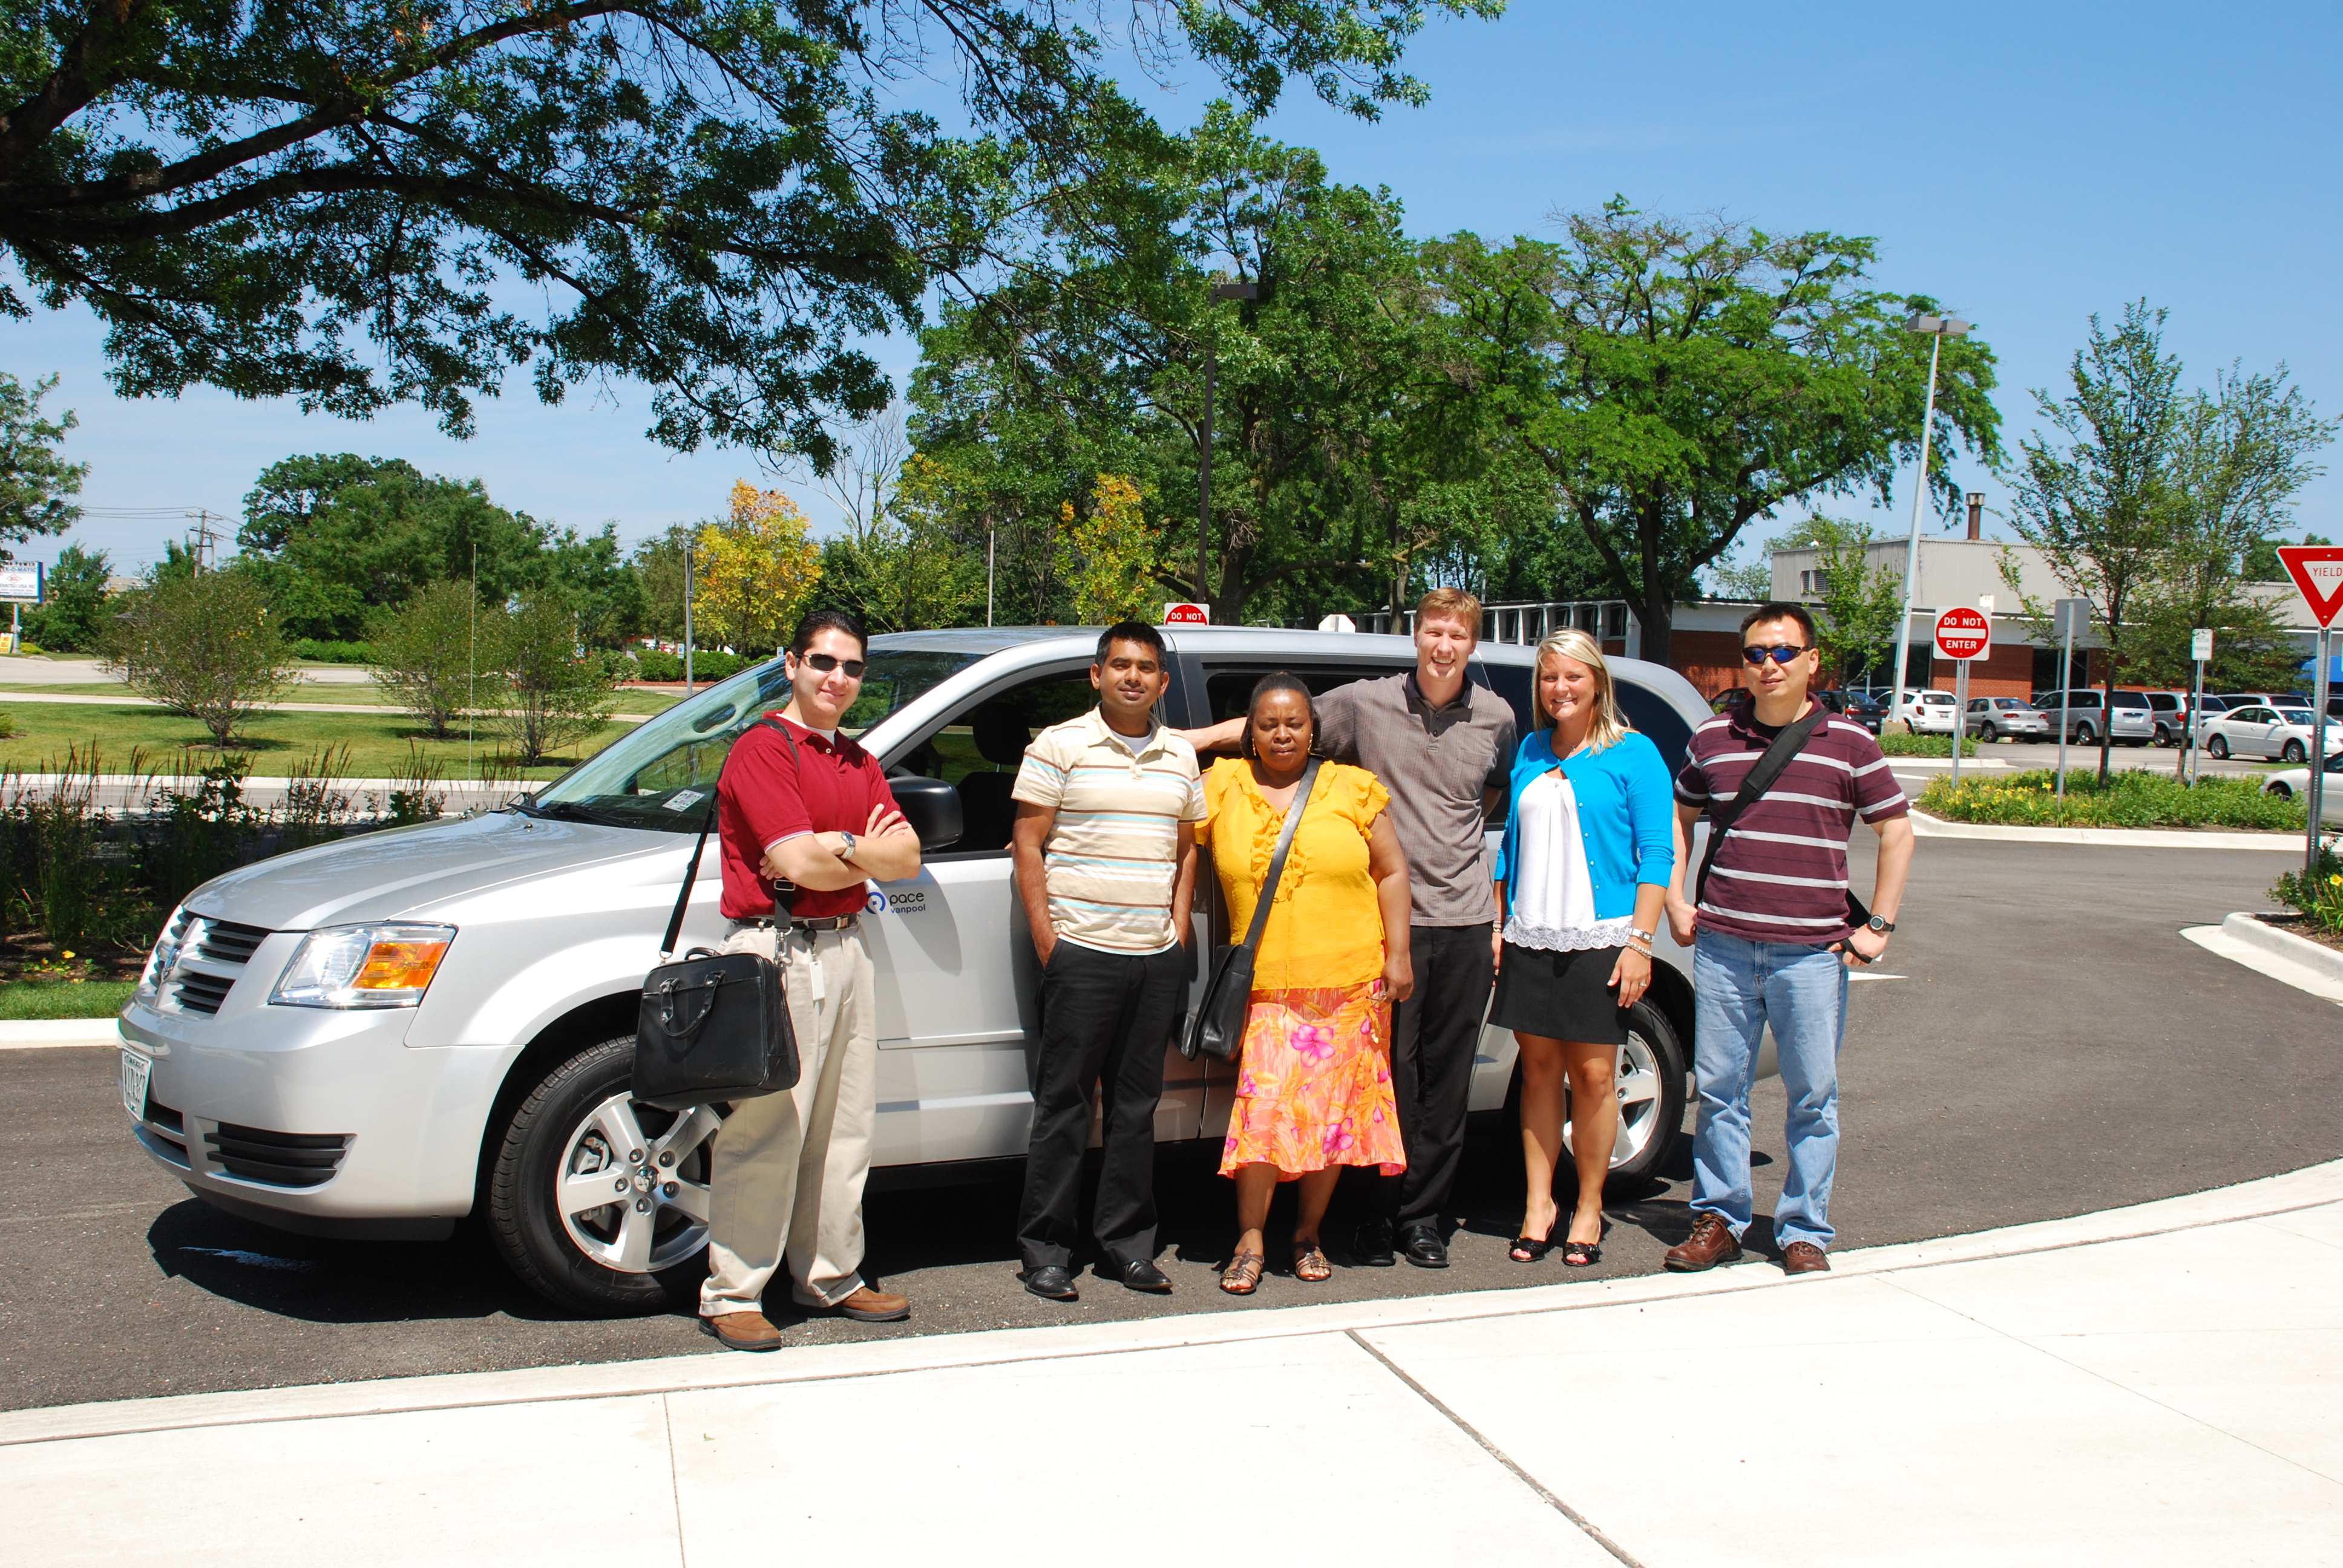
{"points": [[1739, 987]]}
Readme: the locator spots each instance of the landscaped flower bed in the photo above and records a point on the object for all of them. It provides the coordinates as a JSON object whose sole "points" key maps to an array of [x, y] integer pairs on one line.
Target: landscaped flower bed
{"points": [[1896, 743], [2128, 800], [2316, 897]]}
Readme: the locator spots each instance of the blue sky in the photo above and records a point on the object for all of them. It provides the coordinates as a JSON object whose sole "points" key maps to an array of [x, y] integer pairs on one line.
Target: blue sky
{"points": [[2028, 164]]}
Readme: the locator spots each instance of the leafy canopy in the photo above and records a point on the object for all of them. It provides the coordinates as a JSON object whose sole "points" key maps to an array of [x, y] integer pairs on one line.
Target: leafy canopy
{"points": [[357, 203]]}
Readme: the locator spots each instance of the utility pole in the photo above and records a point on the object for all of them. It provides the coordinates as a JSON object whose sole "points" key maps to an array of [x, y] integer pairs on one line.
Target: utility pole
{"points": [[1204, 442], [688, 544], [1939, 328]]}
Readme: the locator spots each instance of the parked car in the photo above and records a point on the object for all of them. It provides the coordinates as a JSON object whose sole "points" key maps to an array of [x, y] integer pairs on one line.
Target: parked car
{"points": [[2088, 715], [2273, 698], [2257, 729], [2294, 784], [1992, 718], [1927, 712], [496, 1084], [1864, 707]]}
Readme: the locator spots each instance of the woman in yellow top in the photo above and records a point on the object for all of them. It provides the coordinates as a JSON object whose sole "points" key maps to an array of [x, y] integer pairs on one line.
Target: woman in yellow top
{"points": [[1313, 1082]]}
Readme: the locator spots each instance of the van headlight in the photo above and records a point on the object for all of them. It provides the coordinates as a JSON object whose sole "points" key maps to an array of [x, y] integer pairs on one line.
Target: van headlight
{"points": [[164, 954], [363, 966]]}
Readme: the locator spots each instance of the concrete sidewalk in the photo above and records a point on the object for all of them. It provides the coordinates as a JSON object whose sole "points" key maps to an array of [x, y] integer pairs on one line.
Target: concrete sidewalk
{"points": [[2154, 1384]]}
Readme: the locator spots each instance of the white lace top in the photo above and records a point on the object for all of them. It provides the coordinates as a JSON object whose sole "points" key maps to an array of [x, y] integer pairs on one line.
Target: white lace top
{"points": [[1552, 892]]}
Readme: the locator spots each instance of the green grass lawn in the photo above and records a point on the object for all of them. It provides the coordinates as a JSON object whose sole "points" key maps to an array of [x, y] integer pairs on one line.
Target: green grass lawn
{"points": [[64, 998], [364, 694], [378, 745]]}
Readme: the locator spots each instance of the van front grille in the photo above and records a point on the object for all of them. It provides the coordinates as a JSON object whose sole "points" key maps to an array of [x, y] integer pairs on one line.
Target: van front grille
{"points": [[277, 1159], [212, 957]]}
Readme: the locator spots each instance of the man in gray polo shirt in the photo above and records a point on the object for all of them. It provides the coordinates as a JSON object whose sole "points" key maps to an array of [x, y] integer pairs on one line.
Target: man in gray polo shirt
{"points": [[1443, 748]]}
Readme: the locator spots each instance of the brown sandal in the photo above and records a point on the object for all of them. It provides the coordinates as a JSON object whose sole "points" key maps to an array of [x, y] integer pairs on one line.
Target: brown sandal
{"points": [[1310, 1263], [1242, 1276]]}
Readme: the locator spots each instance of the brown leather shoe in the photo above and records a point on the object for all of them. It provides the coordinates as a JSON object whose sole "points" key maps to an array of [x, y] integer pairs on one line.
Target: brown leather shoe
{"points": [[1803, 1258], [743, 1330], [869, 1306], [1710, 1243]]}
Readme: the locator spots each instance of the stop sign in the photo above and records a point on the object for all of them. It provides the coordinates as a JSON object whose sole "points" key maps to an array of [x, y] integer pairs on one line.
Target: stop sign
{"points": [[1963, 633]]}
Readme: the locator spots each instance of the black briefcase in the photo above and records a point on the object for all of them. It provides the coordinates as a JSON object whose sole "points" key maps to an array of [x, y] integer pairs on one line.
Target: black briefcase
{"points": [[715, 1026]]}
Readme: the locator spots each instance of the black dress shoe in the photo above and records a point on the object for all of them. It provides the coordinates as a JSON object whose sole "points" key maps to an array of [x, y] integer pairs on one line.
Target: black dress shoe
{"points": [[1423, 1247], [1139, 1274], [1372, 1247], [1051, 1281]]}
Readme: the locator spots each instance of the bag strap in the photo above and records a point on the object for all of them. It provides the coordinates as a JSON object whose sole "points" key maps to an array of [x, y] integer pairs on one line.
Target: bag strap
{"points": [[707, 822], [1277, 861], [1786, 745]]}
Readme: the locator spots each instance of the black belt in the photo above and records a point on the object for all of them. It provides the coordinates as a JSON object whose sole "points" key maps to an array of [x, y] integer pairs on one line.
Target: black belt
{"points": [[816, 923]]}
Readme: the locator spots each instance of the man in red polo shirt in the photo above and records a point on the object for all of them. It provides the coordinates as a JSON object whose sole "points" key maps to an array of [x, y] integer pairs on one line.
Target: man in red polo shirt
{"points": [[813, 810]]}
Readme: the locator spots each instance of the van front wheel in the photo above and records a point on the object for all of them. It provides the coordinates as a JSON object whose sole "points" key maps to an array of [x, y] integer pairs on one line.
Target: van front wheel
{"points": [[598, 1201]]}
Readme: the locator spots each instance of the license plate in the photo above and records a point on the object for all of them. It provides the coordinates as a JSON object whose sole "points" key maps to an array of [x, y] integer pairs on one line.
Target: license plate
{"points": [[135, 1068]]}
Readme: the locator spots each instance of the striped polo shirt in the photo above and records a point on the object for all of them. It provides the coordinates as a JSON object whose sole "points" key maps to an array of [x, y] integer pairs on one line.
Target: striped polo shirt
{"points": [[1781, 876], [1111, 857]]}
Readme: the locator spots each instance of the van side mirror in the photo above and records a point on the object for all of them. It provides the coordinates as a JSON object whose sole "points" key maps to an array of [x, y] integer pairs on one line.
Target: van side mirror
{"points": [[932, 809]]}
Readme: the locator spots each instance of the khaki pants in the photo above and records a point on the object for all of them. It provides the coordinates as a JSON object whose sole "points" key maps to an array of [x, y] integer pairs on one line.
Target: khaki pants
{"points": [[789, 1169]]}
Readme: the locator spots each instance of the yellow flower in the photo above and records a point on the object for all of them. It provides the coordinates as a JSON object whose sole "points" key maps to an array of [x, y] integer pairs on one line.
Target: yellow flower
{"points": [[69, 952], [2331, 881]]}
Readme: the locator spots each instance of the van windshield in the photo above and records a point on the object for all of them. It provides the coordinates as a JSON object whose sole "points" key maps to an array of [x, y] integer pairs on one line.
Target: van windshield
{"points": [[663, 775]]}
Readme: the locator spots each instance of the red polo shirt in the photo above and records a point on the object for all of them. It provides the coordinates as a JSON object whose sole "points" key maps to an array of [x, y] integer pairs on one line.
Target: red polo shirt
{"points": [[768, 795]]}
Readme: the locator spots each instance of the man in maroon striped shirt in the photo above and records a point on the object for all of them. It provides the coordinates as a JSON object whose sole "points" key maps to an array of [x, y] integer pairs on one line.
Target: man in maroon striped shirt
{"points": [[1771, 939]]}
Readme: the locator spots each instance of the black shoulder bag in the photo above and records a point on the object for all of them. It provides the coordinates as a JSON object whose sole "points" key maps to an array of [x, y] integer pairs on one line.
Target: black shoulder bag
{"points": [[1785, 746], [1218, 1028], [715, 1026]]}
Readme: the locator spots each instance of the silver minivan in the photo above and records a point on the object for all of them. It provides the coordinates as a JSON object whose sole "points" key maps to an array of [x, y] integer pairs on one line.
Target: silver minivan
{"points": [[381, 1036]]}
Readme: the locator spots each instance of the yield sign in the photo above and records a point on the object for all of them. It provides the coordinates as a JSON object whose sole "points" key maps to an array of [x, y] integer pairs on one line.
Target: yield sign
{"points": [[1963, 633], [2317, 573]]}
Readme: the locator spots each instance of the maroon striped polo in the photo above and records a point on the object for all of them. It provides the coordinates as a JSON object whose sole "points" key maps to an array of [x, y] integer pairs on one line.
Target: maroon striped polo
{"points": [[1781, 876]]}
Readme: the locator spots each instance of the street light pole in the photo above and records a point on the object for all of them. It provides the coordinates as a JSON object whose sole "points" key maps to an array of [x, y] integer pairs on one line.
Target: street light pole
{"points": [[1204, 464], [1939, 328]]}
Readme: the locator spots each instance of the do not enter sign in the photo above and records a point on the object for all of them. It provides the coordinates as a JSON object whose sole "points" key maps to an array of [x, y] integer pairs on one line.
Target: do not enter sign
{"points": [[1963, 633]]}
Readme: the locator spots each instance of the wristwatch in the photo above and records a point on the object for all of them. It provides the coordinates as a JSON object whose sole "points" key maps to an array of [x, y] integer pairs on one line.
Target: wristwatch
{"points": [[846, 852], [1877, 924]]}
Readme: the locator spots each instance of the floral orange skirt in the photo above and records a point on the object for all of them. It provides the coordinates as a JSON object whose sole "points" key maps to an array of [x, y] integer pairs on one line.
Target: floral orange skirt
{"points": [[1314, 1083]]}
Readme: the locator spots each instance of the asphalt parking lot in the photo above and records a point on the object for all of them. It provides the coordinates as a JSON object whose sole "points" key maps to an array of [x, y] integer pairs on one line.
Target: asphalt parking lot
{"points": [[2040, 1042]]}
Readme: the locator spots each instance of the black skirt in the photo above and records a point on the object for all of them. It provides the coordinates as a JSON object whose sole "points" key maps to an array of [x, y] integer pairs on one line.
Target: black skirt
{"points": [[1559, 996]]}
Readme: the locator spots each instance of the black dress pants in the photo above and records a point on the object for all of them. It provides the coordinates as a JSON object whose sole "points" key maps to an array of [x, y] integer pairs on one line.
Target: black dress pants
{"points": [[1106, 1019], [1434, 1034]]}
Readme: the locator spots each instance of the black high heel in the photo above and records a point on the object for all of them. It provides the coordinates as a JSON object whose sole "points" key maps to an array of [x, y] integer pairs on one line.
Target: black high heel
{"points": [[1581, 1254], [1536, 1249]]}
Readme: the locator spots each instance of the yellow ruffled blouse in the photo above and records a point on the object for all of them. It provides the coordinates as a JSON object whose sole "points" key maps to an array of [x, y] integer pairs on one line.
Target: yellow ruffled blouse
{"points": [[1325, 927]]}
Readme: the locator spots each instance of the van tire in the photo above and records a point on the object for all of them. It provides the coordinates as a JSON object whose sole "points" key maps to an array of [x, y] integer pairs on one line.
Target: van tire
{"points": [[522, 1217]]}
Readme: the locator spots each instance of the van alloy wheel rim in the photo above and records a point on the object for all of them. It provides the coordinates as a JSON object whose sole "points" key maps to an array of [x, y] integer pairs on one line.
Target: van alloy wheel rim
{"points": [[632, 1185], [1636, 1076]]}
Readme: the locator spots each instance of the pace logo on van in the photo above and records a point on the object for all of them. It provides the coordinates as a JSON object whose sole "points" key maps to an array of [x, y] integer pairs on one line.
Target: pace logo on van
{"points": [[910, 903]]}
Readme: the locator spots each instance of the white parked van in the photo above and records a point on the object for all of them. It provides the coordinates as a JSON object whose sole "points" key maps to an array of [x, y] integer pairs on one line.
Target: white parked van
{"points": [[483, 1067]]}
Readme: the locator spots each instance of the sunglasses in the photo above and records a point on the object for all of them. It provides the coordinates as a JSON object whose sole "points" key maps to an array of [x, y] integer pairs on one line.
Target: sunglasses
{"points": [[1780, 653], [826, 662]]}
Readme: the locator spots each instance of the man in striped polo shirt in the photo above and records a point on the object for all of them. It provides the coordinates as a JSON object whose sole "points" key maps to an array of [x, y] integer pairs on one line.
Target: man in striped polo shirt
{"points": [[1772, 942], [1105, 850]]}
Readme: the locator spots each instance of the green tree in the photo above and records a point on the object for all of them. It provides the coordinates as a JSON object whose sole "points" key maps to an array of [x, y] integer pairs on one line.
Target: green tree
{"points": [[900, 566], [1862, 605], [2096, 492], [2261, 563], [70, 622], [658, 566], [340, 200], [555, 693], [427, 655], [204, 644], [35, 478], [1680, 381]]}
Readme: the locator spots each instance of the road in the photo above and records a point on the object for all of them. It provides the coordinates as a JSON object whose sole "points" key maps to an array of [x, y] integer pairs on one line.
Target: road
{"points": [[2050, 1046]]}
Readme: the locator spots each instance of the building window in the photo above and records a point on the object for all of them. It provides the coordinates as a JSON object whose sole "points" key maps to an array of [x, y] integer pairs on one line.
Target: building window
{"points": [[1816, 584]]}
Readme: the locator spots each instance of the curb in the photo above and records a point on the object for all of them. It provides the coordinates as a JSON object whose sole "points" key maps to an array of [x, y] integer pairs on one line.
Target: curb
{"points": [[2316, 957], [2311, 1187], [40, 1033], [1928, 827]]}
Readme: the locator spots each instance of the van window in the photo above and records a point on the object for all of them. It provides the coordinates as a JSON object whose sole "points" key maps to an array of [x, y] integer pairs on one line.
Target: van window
{"points": [[1228, 689], [2130, 700], [977, 750]]}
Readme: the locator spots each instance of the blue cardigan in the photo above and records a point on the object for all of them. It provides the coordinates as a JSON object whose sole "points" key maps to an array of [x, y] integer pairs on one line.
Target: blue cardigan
{"points": [[1626, 811]]}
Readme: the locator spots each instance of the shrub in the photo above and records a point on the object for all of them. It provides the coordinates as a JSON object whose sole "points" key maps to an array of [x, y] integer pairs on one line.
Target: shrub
{"points": [[2127, 800], [650, 664], [2317, 895], [71, 884], [202, 645], [317, 652], [555, 694], [429, 653], [1895, 743]]}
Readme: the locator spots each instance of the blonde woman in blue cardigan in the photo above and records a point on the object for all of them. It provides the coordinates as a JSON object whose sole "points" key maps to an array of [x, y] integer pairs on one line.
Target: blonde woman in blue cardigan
{"points": [[1589, 843]]}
